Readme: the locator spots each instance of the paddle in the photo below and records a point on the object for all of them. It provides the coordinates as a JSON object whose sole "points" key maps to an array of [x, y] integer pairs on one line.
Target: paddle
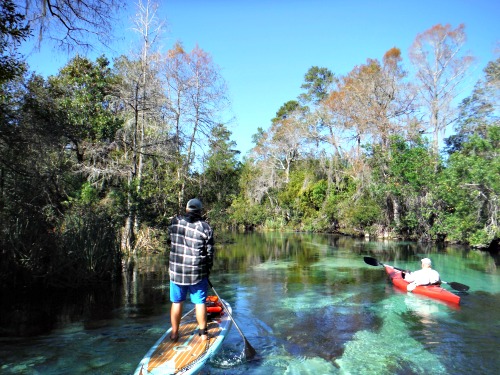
{"points": [[249, 350], [457, 286]]}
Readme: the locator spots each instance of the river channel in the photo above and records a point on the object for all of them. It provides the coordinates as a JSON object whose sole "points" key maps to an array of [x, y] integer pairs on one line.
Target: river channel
{"points": [[307, 303]]}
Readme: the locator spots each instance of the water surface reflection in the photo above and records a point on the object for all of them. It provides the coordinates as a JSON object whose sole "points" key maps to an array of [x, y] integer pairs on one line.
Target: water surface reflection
{"points": [[307, 303]]}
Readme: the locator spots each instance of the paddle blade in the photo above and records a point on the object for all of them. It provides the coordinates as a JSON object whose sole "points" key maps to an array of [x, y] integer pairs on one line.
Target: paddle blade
{"points": [[458, 286], [249, 350], [371, 261]]}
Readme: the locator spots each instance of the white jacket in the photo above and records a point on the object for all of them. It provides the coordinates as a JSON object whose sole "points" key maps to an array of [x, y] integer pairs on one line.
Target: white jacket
{"points": [[425, 276]]}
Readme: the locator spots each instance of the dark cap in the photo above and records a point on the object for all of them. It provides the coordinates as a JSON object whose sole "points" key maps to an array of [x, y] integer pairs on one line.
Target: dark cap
{"points": [[194, 205]]}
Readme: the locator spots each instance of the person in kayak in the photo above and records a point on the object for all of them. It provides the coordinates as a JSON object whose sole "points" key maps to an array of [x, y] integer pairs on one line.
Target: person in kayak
{"points": [[190, 260], [425, 276]]}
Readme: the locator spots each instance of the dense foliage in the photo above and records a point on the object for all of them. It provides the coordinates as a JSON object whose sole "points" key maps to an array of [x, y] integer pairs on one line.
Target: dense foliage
{"points": [[96, 159], [393, 185]]}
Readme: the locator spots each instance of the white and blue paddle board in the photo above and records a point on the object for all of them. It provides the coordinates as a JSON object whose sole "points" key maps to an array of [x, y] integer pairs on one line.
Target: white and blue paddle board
{"points": [[189, 353]]}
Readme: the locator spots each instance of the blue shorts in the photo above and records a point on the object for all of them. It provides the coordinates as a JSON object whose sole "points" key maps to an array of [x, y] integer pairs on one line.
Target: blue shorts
{"points": [[198, 292]]}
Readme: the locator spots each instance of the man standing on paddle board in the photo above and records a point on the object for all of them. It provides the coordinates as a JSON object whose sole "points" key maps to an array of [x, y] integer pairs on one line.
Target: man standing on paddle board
{"points": [[190, 261], [425, 276]]}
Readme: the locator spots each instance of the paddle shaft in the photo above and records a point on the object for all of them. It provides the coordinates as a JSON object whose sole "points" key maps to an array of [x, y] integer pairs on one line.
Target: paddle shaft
{"points": [[249, 350]]}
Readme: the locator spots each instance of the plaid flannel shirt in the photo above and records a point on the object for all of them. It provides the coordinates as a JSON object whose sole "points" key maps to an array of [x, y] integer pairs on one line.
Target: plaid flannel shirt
{"points": [[192, 250]]}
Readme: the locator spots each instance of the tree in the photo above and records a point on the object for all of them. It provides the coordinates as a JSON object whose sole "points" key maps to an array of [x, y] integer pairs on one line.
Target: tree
{"points": [[43, 185], [287, 110], [246, 209], [30, 180], [221, 174], [71, 23], [285, 141], [12, 33], [403, 177], [376, 102], [470, 191], [317, 83], [196, 95], [140, 98], [440, 68], [478, 111], [469, 188], [367, 107], [81, 93]]}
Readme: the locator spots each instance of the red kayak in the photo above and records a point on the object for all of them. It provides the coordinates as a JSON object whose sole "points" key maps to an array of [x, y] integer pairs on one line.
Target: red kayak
{"points": [[431, 291]]}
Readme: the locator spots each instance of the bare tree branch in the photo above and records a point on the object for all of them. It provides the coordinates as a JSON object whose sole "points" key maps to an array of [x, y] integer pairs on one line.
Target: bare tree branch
{"points": [[72, 24]]}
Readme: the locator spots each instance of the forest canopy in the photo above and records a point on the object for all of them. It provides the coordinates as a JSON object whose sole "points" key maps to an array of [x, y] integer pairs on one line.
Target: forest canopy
{"points": [[95, 159]]}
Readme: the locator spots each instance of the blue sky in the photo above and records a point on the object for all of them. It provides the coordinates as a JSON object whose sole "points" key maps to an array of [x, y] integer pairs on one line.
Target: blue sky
{"points": [[264, 48]]}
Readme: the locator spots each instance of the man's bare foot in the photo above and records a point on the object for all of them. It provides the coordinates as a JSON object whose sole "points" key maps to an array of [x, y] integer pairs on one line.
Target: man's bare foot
{"points": [[203, 333]]}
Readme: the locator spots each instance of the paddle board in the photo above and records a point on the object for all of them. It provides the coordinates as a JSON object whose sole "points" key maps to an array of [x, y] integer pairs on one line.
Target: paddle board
{"points": [[189, 353]]}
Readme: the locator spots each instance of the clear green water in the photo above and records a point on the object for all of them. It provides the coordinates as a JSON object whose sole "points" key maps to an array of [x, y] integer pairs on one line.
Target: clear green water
{"points": [[307, 303]]}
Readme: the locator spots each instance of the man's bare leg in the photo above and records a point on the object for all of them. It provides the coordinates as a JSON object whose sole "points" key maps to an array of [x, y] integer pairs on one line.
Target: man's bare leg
{"points": [[175, 319], [201, 317]]}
